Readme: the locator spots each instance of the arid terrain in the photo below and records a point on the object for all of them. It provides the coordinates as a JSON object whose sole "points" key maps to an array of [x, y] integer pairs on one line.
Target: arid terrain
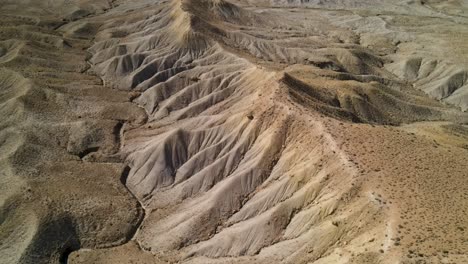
{"points": [[234, 131]]}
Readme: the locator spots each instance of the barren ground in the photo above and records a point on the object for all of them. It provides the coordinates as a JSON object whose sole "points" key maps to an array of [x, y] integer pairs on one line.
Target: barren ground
{"points": [[233, 131]]}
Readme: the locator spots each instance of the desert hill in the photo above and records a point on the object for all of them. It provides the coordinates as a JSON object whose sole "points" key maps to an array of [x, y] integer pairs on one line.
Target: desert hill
{"points": [[216, 131]]}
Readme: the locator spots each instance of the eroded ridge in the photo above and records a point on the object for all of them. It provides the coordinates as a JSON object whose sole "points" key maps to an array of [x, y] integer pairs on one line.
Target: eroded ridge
{"points": [[266, 132], [240, 160]]}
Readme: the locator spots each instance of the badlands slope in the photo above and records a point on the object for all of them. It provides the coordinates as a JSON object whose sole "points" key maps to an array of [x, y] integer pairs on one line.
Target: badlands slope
{"points": [[213, 131]]}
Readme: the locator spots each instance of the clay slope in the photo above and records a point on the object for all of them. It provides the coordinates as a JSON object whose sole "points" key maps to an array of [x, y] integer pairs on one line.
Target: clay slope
{"points": [[250, 133], [245, 157]]}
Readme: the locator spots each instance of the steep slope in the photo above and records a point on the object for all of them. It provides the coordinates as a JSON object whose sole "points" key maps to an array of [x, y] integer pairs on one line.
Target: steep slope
{"points": [[216, 131], [245, 157]]}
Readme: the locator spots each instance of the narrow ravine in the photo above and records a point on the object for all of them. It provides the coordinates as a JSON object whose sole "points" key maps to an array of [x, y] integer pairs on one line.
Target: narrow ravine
{"points": [[119, 132]]}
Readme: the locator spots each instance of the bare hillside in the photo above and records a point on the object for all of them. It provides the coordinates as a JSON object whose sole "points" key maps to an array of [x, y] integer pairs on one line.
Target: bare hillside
{"points": [[216, 131]]}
